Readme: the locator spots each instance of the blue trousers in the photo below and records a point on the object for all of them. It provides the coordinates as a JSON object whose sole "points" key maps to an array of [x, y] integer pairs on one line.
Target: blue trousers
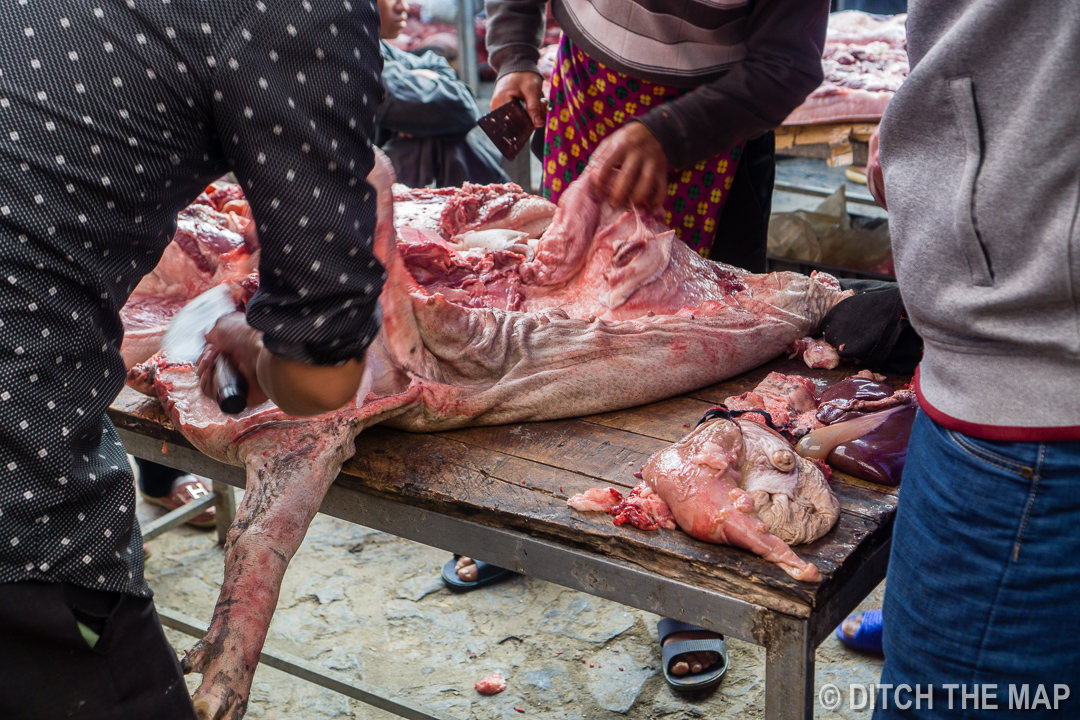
{"points": [[984, 580]]}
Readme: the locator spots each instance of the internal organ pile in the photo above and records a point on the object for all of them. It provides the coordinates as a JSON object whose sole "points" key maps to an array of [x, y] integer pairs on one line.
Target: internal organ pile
{"points": [[734, 482], [737, 480], [609, 313], [865, 62], [865, 428], [860, 426]]}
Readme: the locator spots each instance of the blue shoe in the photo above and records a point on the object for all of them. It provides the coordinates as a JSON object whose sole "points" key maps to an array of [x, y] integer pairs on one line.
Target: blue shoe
{"points": [[868, 637]]}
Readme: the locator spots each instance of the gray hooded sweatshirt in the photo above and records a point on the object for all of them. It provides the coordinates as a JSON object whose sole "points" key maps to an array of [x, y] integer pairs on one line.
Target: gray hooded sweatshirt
{"points": [[981, 153]]}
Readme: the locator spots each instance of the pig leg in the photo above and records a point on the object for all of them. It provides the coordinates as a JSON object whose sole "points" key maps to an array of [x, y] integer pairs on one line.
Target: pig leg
{"points": [[289, 470], [743, 530]]}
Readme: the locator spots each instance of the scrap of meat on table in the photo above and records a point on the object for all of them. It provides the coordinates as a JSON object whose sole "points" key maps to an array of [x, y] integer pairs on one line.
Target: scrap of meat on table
{"points": [[498, 308], [865, 62]]}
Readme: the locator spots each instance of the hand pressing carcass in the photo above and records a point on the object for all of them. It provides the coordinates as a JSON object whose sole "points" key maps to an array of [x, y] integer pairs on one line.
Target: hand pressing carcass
{"points": [[299, 389], [631, 168]]}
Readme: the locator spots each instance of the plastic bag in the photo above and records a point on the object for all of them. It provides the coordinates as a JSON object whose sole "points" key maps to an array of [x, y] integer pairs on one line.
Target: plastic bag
{"points": [[828, 235]]}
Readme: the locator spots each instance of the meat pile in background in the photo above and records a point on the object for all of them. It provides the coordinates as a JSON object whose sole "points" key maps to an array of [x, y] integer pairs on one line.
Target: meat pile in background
{"points": [[497, 308], [865, 62]]}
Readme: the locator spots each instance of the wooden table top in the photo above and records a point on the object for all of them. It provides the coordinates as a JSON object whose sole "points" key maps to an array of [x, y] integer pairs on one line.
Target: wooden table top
{"points": [[519, 476]]}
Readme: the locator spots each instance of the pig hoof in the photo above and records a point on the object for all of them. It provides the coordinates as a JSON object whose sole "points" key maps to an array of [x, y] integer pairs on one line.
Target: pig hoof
{"points": [[195, 659], [221, 703]]}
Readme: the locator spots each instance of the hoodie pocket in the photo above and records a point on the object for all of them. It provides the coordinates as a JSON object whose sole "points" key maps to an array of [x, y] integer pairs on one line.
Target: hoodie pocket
{"points": [[967, 230]]}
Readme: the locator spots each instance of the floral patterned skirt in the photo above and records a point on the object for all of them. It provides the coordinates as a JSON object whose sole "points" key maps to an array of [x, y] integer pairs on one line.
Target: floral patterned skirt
{"points": [[586, 102]]}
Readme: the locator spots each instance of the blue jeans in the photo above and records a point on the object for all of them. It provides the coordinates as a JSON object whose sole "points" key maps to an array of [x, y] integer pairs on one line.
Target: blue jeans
{"points": [[984, 578]]}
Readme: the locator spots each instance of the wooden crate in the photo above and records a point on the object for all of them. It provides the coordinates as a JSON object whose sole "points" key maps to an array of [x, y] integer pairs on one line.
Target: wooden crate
{"points": [[839, 144]]}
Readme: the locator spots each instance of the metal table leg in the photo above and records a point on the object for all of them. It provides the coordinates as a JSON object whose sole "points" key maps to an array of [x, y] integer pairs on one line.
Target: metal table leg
{"points": [[225, 502], [466, 29], [789, 669]]}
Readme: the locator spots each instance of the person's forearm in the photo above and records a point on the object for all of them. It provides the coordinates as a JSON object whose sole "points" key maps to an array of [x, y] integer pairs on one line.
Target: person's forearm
{"points": [[303, 390], [515, 29], [783, 65]]}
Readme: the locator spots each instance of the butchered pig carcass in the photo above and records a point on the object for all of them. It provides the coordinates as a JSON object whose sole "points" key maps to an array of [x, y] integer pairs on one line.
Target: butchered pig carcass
{"points": [[604, 311]]}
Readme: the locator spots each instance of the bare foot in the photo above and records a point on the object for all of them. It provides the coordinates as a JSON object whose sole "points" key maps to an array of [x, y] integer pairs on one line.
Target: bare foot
{"points": [[692, 662], [466, 569], [851, 626]]}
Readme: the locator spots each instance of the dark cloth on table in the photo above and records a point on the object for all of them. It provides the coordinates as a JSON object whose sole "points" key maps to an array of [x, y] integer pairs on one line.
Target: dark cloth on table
{"points": [[427, 125], [49, 670], [113, 119], [872, 328]]}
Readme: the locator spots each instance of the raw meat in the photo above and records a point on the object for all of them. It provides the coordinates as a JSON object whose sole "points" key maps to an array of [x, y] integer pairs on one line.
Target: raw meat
{"points": [[858, 394], [596, 500], [667, 323], [739, 483], [816, 353], [562, 356], [290, 463], [214, 242], [490, 685], [449, 212], [865, 62], [879, 455], [789, 400]]}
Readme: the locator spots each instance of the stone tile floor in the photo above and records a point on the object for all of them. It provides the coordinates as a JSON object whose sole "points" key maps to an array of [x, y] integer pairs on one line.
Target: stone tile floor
{"points": [[372, 607]]}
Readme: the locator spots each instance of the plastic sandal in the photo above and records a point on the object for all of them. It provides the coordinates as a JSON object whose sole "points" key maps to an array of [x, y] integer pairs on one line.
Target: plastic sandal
{"points": [[691, 681], [868, 637], [485, 574]]}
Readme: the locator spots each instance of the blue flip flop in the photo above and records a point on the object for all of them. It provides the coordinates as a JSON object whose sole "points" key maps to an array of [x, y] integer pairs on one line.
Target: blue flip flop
{"points": [[485, 574], [868, 637], [691, 681]]}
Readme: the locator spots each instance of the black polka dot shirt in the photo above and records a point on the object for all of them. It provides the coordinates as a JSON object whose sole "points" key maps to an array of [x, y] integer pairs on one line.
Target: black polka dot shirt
{"points": [[113, 116]]}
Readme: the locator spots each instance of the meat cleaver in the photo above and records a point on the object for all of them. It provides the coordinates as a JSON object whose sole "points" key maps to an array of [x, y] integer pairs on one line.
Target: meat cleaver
{"points": [[186, 337], [509, 127]]}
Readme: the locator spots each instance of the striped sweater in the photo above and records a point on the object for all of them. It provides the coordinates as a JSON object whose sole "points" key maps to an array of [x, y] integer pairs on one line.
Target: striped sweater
{"points": [[751, 62]]}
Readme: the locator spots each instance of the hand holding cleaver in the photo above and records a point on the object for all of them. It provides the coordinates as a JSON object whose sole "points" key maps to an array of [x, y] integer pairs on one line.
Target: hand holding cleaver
{"points": [[185, 340]]}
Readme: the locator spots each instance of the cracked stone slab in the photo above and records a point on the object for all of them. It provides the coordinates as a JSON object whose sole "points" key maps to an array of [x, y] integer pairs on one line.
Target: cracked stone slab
{"points": [[586, 618], [616, 677]]}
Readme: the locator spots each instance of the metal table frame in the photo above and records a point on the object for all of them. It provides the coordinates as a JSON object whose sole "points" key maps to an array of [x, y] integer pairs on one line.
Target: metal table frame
{"points": [[790, 642]]}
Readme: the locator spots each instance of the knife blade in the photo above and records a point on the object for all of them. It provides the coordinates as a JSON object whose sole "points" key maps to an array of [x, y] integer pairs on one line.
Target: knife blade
{"points": [[185, 339], [509, 127]]}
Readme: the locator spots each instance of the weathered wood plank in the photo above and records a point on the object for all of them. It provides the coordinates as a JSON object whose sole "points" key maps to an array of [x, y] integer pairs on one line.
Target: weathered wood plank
{"points": [[442, 473], [667, 420], [575, 445], [500, 490], [144, 415]]}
